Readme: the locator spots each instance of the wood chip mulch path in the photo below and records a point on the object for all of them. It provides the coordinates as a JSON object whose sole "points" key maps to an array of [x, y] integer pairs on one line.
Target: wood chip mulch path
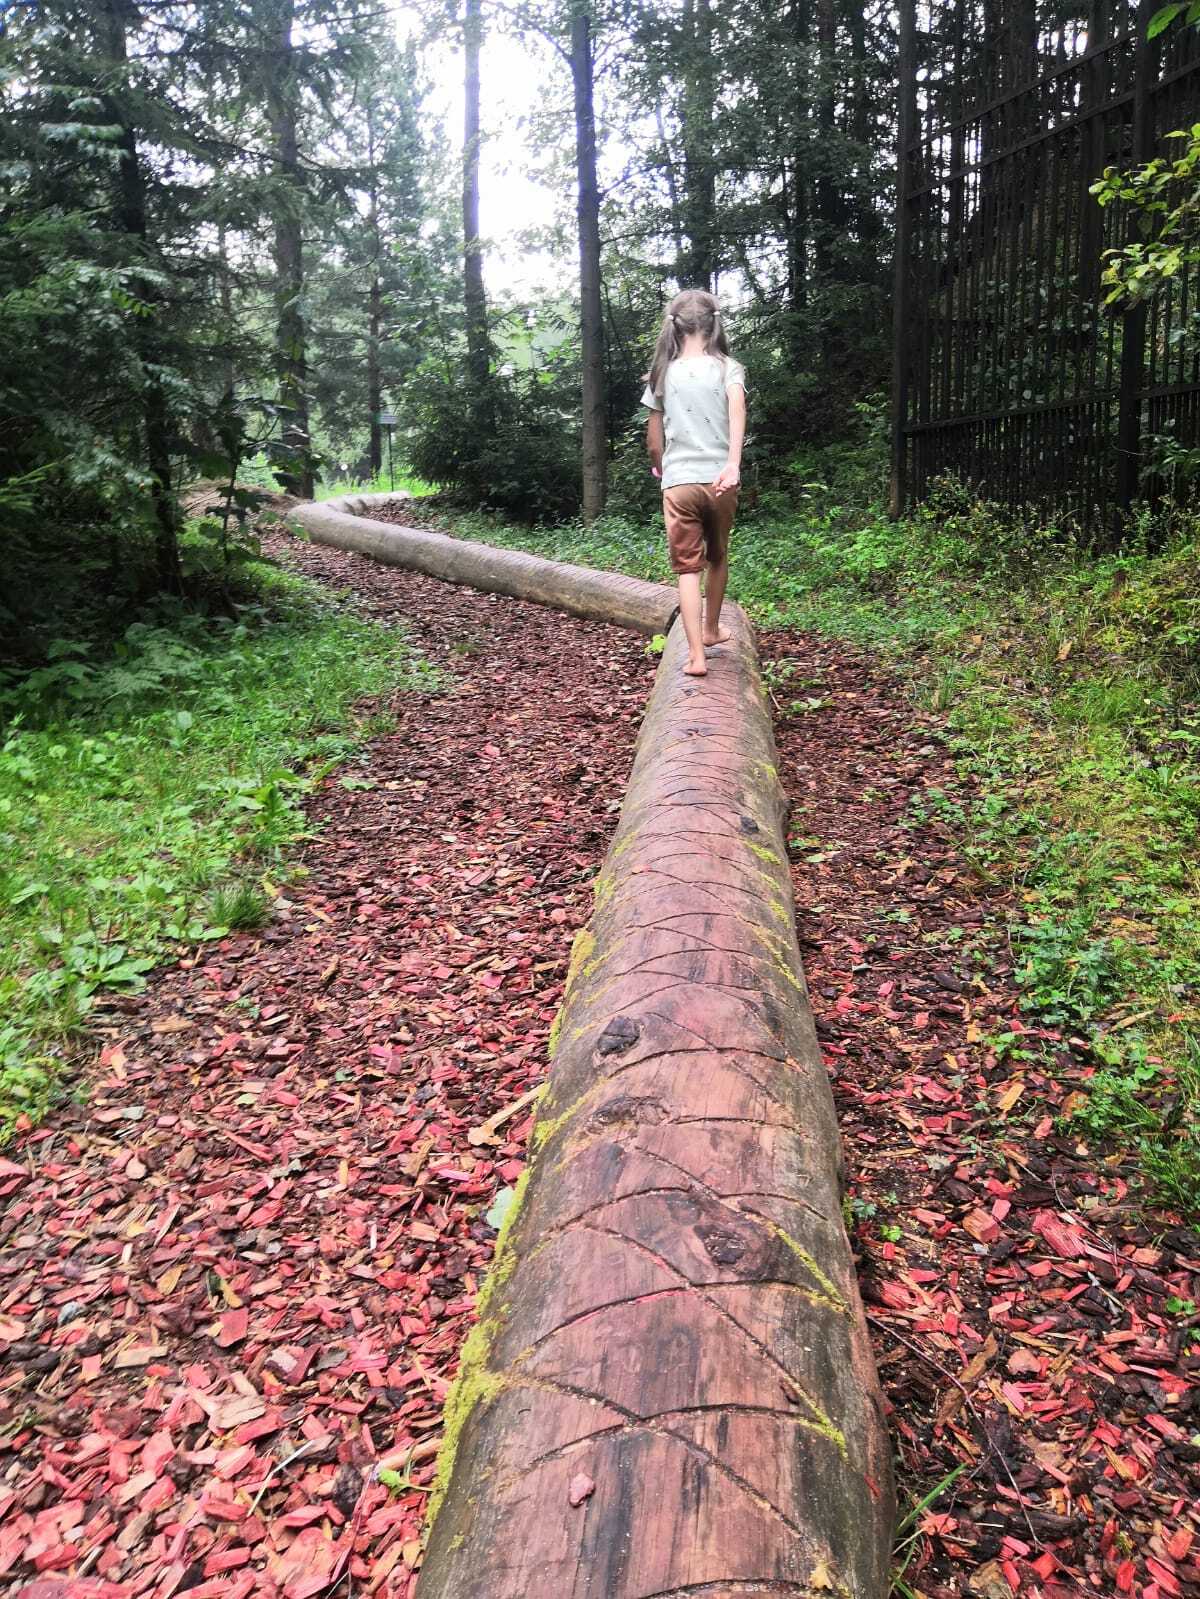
{"points": [[233, 1287], [1023, 1299]]}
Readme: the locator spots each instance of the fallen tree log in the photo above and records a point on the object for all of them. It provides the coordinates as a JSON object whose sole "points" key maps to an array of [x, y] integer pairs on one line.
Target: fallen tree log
{"points": [[646, 608], [670, 1389]]}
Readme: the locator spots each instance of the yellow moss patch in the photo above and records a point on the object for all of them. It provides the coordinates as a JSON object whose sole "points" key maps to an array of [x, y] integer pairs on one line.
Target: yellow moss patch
{"points": [[763, 853], [581, 952], [545, 1129], [476, 1383], [829, 1289]]}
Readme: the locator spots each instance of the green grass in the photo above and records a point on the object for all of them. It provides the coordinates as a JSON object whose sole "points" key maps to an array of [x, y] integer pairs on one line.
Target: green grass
{"points": [[385, 483], [1071, 685], [150, 798]]}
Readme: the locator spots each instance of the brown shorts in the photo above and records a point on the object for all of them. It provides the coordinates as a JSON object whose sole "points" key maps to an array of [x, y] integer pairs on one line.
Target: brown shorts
{"points": [[698, 523]]}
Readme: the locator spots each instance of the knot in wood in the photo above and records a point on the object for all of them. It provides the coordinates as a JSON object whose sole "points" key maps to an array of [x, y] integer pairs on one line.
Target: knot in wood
{"points": [[619, 1034], [626, 1108], [725, 1248]]}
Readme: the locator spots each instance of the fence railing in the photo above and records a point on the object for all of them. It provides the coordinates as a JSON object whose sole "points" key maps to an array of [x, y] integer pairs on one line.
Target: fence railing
{"points": [[1010, 373]]}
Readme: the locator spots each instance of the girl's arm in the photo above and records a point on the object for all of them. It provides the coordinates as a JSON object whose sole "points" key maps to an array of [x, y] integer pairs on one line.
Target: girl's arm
{"points": [[730, 474], [654, 441]]}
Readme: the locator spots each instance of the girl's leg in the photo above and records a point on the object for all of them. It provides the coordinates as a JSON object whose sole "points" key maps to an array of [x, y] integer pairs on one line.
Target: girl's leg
{"points": [[689, 611], [718, 521], [714, 595]]}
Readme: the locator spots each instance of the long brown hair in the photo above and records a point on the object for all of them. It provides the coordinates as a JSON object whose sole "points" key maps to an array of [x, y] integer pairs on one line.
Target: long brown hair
{"points": [[693, 311]]}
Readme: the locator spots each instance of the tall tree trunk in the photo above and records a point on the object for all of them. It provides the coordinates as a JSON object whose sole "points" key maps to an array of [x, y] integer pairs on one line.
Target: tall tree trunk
{"points": [[374, 310], [798, 229], [826, 192], [291, 361], [474, 296], [130, 216], [672, 181], [229, 374], [869, 219], [699, 163], [595, 444]]}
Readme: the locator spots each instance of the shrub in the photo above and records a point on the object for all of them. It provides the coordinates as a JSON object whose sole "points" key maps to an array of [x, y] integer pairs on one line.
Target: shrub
{"points": [[515, 449]]}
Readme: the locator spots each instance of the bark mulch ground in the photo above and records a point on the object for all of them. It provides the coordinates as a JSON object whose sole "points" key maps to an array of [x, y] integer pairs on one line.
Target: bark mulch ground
{"points": [[1023, 1302], [233, 1286]]}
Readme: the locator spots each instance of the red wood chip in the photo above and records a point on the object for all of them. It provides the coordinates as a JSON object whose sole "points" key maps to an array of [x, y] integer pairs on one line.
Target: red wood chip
{"points": [[234, 1326], [581, 1488]]}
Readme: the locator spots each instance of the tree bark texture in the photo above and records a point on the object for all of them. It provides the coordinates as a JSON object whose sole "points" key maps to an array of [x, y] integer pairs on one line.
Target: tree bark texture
{"points": [[474, 296], [670, 1389], [646, 608], [374, 310], [595, 442]]}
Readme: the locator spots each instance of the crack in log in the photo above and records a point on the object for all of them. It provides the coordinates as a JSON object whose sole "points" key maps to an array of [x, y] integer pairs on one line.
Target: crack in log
{"points": [[636, 1423], [726, 1199], [703, 947], [598, 1089], [828, 1430], [724, 1585], [616, 1428], [707, 1043]]}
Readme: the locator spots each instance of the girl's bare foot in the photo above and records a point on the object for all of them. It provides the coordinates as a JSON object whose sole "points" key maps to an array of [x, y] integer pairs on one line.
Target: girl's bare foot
{"points": [[696, 668], [720, 636]]}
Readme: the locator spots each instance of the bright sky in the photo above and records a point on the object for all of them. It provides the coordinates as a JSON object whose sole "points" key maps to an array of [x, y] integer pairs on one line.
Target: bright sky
{"points": [[515, 79]]}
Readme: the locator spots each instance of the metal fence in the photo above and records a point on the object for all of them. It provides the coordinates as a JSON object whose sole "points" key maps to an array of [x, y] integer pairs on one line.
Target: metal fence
{"points": [[1009, 372]]}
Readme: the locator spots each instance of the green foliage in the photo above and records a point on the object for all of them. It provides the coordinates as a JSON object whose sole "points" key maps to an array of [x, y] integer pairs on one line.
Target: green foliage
{"points": [[1164, 197], [384, 482], [513, 449], [909, 1530], [147, 789], [242, 907], [1162, 19]]}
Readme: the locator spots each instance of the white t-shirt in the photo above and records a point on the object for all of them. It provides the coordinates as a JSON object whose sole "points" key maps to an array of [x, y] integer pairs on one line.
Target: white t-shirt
{"points": [[695, 411]]}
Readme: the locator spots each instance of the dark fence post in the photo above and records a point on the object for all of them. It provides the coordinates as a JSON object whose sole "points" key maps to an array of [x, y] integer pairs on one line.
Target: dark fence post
{"points": [[1133, 324], [902, 297]]}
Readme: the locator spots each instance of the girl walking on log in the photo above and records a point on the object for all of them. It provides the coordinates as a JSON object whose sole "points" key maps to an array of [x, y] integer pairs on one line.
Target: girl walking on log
{"points": [[696, 396]]}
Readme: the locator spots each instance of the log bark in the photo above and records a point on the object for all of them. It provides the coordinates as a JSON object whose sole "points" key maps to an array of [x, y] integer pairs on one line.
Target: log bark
{"points": [[670, 1389], [646, 608]]}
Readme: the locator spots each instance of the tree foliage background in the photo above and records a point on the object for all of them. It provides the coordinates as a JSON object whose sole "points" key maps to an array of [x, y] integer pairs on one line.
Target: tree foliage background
{"points": [[232, 231]]}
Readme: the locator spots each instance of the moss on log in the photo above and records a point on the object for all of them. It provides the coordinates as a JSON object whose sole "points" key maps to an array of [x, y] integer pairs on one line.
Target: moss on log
{"points": [[670, 1390], [627, 602]]}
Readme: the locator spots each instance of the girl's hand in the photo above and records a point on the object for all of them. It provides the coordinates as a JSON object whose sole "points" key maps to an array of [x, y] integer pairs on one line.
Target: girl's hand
{"points": [[728, 478]]}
